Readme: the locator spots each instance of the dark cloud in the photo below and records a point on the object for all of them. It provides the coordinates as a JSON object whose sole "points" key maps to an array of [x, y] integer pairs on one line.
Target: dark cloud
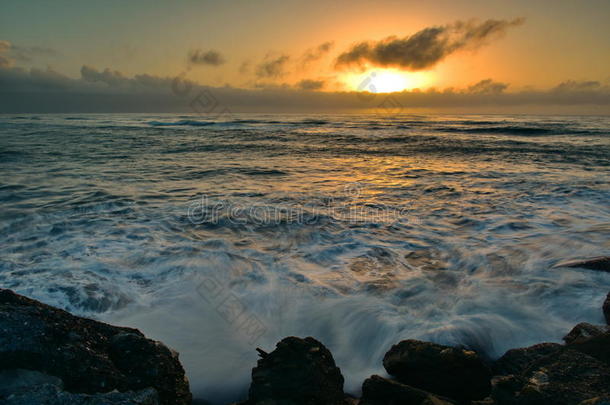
{"points": [[310, 84], [5, 61], [109, 77], [487, 86], [244, 68], [427, 47], [14, 52], [313, 54], [272, 66], [211, 58], [270, 86], [4, 46], [37, 90], [578, 86]]}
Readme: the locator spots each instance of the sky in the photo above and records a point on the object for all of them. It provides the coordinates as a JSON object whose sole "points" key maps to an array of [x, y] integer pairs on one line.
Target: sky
{"points": [[506, 56]]}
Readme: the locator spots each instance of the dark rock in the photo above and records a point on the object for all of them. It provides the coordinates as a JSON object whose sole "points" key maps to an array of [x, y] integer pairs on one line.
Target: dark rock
{"points": [[88, 356], [452, 372], [15, 380], [597, 347], [564, 378], [300, 372], [505, 388], [601, 263], [597, 401], [486, 401], [377, 390], [48, 394], [583, 332], [516, 361], [606, 309]]}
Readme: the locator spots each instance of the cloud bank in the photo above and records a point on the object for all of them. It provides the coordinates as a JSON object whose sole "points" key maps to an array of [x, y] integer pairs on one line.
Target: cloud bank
{"points": [[38, 90], [9, 53], [427, 47]]}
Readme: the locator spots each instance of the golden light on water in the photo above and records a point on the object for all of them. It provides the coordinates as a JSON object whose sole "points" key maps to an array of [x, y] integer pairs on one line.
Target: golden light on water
{"points": [[386, 80]]}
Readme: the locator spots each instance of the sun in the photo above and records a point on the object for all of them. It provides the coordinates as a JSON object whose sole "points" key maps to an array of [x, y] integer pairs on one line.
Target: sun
{"points": [[385, 80]]}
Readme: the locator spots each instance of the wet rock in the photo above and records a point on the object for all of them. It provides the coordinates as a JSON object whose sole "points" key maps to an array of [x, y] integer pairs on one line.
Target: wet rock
{"points": [[606, 309], [451, 372], [596, 401], [600, 263], [89, 357], [300, 372], [15, 380], [377, 390], [597, 347], [516, 361], [48, 394], [505, 388], [564, 378], [583, 332]]}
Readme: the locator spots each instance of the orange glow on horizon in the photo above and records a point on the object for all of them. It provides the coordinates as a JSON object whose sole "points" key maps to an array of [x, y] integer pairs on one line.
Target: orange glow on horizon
{"points": [[386, 80]]}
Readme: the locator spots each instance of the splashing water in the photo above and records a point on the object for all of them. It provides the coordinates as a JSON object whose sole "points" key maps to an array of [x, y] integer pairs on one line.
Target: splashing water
{"points": [[219, 236]]}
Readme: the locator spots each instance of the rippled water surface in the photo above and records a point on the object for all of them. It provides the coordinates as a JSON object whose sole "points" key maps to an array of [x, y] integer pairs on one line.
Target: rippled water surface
{"points": [[221, 235]]}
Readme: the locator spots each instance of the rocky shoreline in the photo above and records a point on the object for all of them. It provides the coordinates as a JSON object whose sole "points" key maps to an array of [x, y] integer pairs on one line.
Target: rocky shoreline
{"points": [[48, 356]]}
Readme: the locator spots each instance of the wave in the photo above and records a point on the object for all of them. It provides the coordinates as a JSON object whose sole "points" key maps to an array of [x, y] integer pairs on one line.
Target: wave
{"points": [[190, 123], [197, 123], [519, 130]]}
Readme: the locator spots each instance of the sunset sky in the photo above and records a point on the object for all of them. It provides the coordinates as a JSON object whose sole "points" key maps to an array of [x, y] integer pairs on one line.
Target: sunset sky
{"points": [[524, 50]]}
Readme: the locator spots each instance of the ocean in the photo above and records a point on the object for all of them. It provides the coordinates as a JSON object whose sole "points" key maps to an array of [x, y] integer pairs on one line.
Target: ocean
{"points": [[221, 234]]}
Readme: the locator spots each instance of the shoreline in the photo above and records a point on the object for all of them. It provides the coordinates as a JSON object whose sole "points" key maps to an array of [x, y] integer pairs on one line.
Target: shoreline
{"points": [[298, 370]]}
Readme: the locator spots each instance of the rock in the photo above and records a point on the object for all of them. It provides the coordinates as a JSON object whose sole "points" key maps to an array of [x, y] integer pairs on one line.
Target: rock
{"points": [[597, 347], [48, 394], [486, 401], [606, 309], [504, 389], [596, 401], [451, 372], [601, 263], [88, 356], [377, 390], [564, 378], [516, 361], [300, 372], [15, 380], [583, 332]]}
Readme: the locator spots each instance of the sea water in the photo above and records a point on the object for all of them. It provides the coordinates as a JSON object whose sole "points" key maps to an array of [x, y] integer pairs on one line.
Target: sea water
{"points": [[218, 235]]}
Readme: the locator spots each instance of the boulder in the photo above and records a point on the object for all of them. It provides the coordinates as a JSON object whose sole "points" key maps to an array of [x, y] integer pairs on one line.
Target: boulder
{"points": [[596, 401], [597, 346], [600, 263], [564, 378], [606, 309], [516, 361], [48, 394], [89, 357], [377, 390], [300, 372], [448, 371], [583, 332]]}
